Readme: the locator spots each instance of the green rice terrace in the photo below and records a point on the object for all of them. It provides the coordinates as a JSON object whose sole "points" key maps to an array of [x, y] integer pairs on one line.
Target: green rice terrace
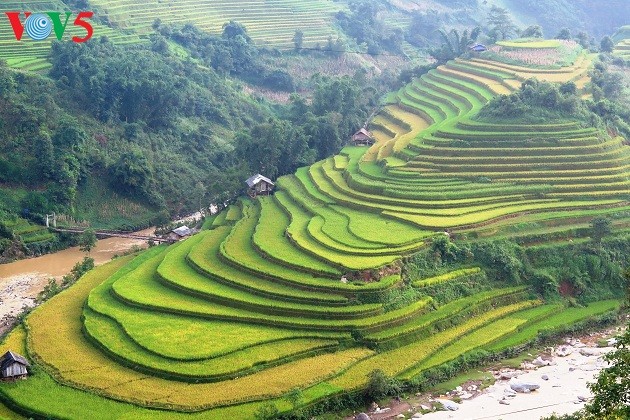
{"points": [[285, 292], [271, 22]]}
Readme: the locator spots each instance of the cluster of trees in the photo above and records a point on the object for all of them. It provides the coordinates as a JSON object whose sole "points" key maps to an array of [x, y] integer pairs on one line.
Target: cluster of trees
{"points": [[541, 102], [159, 126], [536, 102], [305, 133], [364, 24], [233, 53], [593, 270]]}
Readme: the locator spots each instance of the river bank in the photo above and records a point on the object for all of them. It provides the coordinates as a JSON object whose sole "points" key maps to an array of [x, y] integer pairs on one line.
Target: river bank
{"points": [[22, 280], [561, 374]]}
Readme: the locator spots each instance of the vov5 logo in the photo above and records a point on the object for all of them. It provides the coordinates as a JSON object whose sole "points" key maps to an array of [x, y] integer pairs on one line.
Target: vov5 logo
{"points": [[39, 26]]}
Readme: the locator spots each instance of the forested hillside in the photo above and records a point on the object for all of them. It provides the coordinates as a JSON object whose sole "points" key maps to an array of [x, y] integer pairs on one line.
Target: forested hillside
{"points": [[167, 108]]}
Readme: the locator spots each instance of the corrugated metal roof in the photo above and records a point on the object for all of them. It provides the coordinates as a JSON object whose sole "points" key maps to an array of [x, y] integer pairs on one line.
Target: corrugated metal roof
{"points": [[182, 231], [10, 357], [255, 179]]}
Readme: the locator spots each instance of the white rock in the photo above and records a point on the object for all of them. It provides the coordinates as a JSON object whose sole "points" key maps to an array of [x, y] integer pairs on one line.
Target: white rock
{"points": [[564, 351], [524, 387], [459, 389], [400, 416], [589, 351], [425, 407], [545, 378], [466, 395], [509, 375], [539, 361], [504, 402], [416, 416], [448, 404]]}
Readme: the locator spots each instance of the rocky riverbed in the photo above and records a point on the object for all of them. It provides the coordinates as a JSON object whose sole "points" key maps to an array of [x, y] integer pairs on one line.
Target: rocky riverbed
{"points": [[554, 381]]}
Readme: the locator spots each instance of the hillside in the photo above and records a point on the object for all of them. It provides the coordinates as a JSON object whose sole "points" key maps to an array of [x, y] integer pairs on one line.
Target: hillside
{"points": [[290, 301]]}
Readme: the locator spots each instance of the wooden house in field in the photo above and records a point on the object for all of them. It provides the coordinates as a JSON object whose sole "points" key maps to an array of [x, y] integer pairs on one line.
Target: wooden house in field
{"points": [[180, 233], [362, 138], [13, 366], [478, 48], [259, 185]]}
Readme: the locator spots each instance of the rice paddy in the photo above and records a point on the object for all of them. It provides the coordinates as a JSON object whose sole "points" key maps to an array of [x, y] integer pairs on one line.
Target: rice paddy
{"points": [[285, 291]]}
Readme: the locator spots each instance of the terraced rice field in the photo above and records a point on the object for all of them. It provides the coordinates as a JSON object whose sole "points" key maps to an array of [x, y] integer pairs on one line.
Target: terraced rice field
{"points": [[285, 292], [271, 22], [33, 55]]}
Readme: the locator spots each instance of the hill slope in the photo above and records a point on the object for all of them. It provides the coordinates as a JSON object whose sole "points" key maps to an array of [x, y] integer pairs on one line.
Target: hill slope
{"points": [[302, 290]]}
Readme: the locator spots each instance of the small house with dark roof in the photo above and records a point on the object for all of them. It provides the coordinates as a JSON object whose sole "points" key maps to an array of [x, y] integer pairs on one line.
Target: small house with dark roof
{"points": [[362, 138], [180, 233], [259, 185], [13, 366], [478, 48]]}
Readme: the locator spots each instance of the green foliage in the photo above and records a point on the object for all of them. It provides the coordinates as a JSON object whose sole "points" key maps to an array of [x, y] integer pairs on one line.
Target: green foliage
{"points": [[380, 385], [455, 44], [267, 412], [500, 23], [366, 26], [600, 228], [536, 102], [611, 397], [606, 45], [532, 31], [87, 240]]}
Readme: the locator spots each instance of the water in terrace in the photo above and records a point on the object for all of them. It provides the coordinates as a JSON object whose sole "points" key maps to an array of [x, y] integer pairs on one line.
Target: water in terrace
{"points": [[22, 280]]}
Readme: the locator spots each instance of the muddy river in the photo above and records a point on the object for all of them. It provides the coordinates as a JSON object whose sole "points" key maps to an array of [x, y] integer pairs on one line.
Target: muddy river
{"points": [[21, 281]]}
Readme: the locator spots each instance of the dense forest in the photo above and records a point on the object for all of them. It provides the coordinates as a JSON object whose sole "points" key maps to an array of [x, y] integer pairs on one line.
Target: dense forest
{"points": [[168, 126]]}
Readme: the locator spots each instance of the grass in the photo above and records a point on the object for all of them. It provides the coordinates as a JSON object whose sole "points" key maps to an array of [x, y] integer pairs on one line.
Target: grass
{"points": [[101, 375], [451, 275], [238, 363], [451, 309], [98, 204], [563, 318]]}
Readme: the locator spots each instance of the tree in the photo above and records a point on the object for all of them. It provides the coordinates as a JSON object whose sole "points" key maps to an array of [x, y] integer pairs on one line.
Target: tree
{"points": [[533, 31], [455, 43], [600, 228], [233, 29], [612, 389], [380, 385], [87, 240], [267, 412], [294, 397], [500, 23], [565, 33], [298, 39], [606, 44]]}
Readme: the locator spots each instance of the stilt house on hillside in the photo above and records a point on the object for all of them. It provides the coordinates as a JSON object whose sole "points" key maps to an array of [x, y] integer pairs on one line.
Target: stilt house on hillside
{"points": [[259, 185], [180, 233], [362, 138], [13, 366]]}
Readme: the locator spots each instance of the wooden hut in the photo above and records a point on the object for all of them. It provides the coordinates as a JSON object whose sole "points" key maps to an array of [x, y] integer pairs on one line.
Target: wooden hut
{"points": [[13, 366], [259, 185], [362, 138], [180, 233]]}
